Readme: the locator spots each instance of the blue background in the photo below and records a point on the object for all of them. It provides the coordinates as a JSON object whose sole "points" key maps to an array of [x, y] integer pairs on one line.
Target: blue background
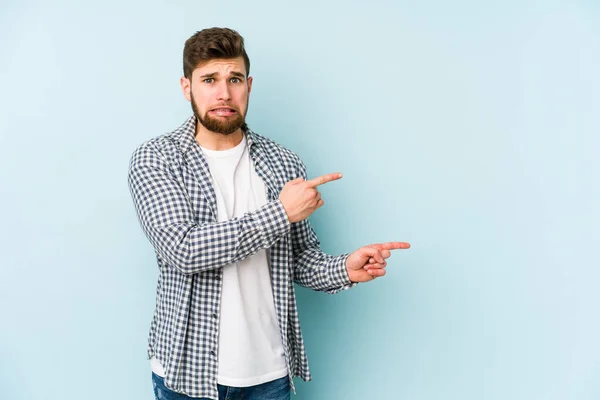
{"points": [[470, 129]]}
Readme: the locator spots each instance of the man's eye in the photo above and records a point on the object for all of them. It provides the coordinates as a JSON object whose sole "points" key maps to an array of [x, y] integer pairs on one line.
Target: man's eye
{"points": [[208, 80], [235, 80]]}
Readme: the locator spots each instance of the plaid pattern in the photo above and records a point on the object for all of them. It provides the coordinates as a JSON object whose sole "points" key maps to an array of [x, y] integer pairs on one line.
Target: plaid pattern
{"points": [[172, 191]]}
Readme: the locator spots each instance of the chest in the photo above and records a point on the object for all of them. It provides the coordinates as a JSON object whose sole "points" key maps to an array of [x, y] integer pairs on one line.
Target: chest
{"points": [[194, 175]]}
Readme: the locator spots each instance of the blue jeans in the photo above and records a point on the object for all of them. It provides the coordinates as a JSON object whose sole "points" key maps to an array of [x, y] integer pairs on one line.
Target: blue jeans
{"points": [[278, 389]]}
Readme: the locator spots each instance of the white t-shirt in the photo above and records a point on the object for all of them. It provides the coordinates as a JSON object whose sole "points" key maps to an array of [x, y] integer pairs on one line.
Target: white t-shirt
{"points": [[250, 346]]}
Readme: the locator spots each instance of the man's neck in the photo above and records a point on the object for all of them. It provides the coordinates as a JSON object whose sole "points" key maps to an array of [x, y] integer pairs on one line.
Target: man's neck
{"points": [[217, 141]]}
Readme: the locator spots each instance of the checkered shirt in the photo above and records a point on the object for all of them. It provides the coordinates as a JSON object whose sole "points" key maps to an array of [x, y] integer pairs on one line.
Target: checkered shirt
{"points": [[173, 195]]}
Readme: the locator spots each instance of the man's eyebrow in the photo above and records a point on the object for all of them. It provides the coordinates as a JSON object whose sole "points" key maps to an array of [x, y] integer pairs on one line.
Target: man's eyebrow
{"points": [[213, 74]]}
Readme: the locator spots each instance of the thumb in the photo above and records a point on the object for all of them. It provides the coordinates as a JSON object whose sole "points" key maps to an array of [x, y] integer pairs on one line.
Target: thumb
{"points": [[368, 252]]}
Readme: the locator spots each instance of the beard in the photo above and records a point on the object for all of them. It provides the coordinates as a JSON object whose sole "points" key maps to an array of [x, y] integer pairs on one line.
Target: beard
{"points": [[225, 126]]}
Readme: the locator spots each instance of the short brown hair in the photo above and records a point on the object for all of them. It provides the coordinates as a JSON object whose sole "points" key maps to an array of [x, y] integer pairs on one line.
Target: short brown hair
{"points": [[212, 43]]}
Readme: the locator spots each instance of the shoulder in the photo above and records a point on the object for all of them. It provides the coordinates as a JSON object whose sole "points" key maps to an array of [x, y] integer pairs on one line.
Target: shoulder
{"points": [[151, 153], [162, 149]]}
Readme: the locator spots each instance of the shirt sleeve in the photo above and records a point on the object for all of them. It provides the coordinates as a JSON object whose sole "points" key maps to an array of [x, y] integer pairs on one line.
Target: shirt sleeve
{"points": [[167, 219], [313, 268]]}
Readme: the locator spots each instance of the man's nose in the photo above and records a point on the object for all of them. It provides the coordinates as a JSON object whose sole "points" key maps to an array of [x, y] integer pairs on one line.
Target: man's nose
{"points": [[223, 92]]}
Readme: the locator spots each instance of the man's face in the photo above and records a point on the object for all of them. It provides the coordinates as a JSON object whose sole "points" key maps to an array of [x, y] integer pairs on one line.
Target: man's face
{"points": [[219, 93]]}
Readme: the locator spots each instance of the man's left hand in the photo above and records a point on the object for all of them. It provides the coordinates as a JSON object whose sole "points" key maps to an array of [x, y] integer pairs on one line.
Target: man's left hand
{"points": [[368, 262]]}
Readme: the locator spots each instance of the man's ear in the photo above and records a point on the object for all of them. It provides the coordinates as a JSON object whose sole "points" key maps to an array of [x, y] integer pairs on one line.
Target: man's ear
{"points": [[249, 84], [186, 87]]}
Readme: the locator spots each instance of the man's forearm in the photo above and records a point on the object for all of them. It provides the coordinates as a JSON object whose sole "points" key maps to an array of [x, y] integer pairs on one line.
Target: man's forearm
{"points": [[317, 270], [197, 248]]}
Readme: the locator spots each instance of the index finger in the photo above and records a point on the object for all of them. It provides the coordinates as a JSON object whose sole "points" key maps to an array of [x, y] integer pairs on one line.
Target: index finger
{"points": [[390, 245], [324, 179]]}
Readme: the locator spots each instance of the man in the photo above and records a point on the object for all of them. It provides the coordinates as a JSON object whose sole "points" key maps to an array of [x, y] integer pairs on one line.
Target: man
{"points": [[227, 213]]}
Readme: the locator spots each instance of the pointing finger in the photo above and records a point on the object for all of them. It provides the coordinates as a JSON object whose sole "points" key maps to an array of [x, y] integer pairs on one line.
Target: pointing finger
{"points": [[390, 245], [324, 179]]}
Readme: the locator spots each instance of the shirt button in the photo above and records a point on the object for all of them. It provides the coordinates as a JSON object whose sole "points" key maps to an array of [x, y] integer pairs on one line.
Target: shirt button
{"points": [[212, 353], [215, 316], [218, 277]]}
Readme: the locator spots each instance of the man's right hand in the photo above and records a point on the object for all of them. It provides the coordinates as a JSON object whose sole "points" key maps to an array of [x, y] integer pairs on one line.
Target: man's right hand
{"points": [[301, 198]]}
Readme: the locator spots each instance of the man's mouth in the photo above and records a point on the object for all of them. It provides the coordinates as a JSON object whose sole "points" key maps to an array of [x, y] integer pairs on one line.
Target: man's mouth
{"points": [[223, 111]]}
